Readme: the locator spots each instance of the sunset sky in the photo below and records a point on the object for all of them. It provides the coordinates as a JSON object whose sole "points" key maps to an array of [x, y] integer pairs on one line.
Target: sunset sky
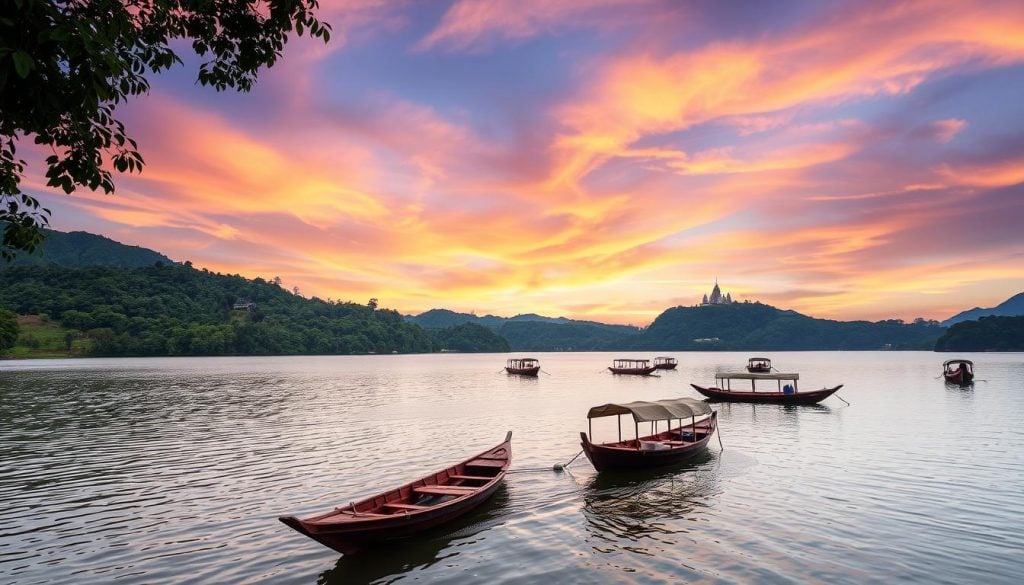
{"points": [[600, 159]]}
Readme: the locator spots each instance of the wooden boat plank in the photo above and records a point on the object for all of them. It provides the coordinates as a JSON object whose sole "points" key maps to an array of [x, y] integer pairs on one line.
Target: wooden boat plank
{"points": [[471, 477], [397, 506], [444, 490], [478, 462]]}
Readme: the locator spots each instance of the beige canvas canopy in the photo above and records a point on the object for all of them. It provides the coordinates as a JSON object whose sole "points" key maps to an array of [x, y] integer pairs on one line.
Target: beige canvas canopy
{"points": [[654, 411]]}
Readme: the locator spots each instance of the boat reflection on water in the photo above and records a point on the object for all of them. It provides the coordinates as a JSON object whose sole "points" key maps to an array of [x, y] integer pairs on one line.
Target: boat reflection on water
{"points": [[404, 557], [628, 506]]}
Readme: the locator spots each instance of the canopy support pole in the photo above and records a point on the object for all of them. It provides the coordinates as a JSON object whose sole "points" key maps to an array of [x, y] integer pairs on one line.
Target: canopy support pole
{"points": [[619, 419]]}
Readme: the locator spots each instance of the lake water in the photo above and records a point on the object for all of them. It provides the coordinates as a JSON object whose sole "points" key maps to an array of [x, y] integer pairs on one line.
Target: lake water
{"points": [[175, 470]]}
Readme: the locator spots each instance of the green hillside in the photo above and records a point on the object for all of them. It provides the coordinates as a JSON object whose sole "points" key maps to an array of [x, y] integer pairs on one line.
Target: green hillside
{"points": [[469, 337], [178, 310], [985, 334], [77, 249], [755, 326], [531, 332]]}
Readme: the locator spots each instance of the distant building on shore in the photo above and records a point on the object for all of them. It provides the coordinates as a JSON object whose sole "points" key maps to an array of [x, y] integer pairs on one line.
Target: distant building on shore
{"points": [[717, 298]]}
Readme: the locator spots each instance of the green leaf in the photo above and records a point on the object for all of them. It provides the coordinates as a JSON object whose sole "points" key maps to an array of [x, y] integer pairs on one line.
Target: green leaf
{"points": [[23, 63]]}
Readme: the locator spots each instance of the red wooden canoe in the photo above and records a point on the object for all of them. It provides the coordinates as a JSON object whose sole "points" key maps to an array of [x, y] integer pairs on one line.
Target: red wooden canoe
{"points": [[412, 508], [668, 447], [766, 397]]}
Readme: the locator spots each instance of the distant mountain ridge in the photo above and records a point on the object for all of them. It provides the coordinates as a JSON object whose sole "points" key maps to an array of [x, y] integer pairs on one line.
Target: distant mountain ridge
{"points": [[532, 332], [1011, 307], [736, 326], [78, 249]]}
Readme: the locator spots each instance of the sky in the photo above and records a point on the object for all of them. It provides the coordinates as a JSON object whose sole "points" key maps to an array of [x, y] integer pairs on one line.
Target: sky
{"points": [[600, 159]]}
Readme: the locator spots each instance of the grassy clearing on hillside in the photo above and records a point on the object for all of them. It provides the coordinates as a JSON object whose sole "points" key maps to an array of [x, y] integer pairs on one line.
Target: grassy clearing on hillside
{"points": [[40, 338]]}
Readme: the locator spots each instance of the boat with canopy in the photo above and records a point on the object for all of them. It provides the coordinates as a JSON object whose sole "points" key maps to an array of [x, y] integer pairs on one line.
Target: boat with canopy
{"points": [[958, 371], [632, 367], [688, 426], [788, 393], [759, 365], [665, 363], [411, 508], [523, 366]]}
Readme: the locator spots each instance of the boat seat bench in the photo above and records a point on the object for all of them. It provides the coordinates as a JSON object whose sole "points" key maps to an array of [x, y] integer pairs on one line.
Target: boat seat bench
{"points": [[405, 507], [471, 477], [444, 490], [487, 463]]}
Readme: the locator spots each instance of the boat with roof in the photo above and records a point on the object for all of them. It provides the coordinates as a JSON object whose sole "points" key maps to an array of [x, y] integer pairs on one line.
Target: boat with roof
{"points": [[665, 363], [688, 426], [632, 367], [759, 365], [523, 366], [412, 508], [958, 372], [788, 393]]}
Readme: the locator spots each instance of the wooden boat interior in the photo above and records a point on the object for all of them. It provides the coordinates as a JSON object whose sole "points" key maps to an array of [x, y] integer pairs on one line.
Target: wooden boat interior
{"points": [[429, 492], [680, 436]]}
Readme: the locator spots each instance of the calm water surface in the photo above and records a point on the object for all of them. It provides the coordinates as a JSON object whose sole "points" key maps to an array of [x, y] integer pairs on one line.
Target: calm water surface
{"points": [[175, 470]]}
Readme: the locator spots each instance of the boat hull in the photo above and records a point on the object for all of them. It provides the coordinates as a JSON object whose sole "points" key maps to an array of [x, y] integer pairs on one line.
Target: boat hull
{"points": [[352, 539], [759, 369], [523, 371], [360, 525], [665, 366], [961, 378], [812, 397], [608, 456], [633, 371]]}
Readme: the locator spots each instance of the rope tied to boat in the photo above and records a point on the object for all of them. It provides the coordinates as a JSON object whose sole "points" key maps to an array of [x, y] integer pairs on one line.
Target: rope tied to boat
{"points": [[560, 466]]}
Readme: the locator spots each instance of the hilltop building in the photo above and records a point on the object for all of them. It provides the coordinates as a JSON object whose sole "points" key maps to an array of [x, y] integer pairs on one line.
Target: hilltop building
{"points": [[717, 298]]}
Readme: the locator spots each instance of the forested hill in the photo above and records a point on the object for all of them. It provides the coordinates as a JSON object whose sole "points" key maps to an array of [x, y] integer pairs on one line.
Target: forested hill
{"points": [[531, 332], [75, 249], [755, 326], [170, 309], [985, 334]]}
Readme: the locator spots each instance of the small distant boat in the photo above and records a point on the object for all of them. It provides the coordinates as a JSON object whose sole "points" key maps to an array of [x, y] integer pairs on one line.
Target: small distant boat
{"points": [[633, 367], [523, 367], [673, 445], [665, 363], [412, 508], [958, 371], [788, 394], [759, 365]]}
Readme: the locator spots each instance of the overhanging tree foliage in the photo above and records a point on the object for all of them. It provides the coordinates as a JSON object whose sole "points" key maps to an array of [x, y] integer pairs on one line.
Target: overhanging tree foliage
{"points": [[65, 65]]}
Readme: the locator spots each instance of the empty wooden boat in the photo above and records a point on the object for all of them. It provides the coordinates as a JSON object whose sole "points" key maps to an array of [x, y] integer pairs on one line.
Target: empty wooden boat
{"points": [[523, 367], [694, 422], [759, 365], [412, 508], [786, 394], [958, 371], [665, 363], [632, 367]]}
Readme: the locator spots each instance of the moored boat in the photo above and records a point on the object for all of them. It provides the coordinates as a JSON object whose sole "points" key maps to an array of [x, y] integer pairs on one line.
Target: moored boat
{"points": [[786, 394], [411, 508], [632, 367], [759, 365], [675, 444], [665, 363], [958, 371], [523, 366]]}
